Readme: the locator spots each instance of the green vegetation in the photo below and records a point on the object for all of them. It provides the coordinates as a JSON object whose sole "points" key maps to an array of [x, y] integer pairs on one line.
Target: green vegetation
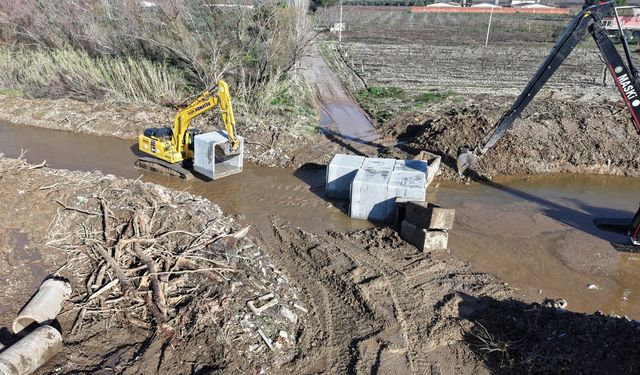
{"points": [[11, 92], [126, 51], [430, 97], [75, 74], [382, 103], [382, 92]]}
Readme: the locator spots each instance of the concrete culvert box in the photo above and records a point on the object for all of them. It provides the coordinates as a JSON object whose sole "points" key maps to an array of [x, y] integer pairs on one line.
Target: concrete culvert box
{"points": [[369, 195], [340, 174], [379, 164], [419, 166], [207, 163]]}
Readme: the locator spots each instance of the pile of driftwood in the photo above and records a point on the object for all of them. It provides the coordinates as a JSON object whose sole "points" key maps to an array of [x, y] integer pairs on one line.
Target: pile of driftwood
{"points": [[153, 257]]}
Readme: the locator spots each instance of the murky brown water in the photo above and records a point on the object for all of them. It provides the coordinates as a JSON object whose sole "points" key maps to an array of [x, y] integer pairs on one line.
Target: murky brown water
{"points": [[533, 232], [536, 232], [348, 120]]}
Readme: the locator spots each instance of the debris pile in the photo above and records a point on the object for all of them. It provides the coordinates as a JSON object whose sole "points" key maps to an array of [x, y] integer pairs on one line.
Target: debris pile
{"points": [[173, 268]]}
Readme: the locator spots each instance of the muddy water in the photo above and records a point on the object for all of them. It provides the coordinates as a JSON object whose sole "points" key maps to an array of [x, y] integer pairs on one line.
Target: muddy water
{"points": [[348, 121], [533, 232], [257, 192], [536, 232]]}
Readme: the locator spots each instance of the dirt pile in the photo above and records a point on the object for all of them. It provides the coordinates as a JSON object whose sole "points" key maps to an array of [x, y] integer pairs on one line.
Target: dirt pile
{"points": [[555, 134], [161, 278], [515, 337]]}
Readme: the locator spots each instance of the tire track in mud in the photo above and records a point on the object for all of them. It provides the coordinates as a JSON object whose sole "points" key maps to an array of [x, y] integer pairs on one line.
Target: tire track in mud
{"points": [[376, 303]]}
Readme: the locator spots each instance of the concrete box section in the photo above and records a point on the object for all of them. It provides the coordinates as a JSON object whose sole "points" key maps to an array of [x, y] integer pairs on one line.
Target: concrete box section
{"points": [[369, 195], [411, 166], [379, 164], [429, 216], [340, 174], [207, 163]]}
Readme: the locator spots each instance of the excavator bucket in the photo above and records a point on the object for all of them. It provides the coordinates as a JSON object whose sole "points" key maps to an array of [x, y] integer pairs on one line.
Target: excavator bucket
{"points": [[224, 151], [466, 159]]}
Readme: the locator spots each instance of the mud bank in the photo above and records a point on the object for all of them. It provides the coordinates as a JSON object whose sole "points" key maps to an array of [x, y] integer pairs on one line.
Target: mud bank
{"points": [[555, 134], [160, 278]]}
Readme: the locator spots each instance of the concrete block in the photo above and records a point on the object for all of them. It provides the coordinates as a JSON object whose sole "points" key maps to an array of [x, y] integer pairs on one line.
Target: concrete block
{"points": [[433, 162], [340, 174], [434, 169], [379, 164], [429, 216], [369, 195], [411, 185], [425, 240], [411, 166], [205, 161]]}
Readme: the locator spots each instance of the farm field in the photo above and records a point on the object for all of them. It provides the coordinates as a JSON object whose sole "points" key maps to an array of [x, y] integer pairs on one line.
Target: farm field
{"points": [[429, 82]]}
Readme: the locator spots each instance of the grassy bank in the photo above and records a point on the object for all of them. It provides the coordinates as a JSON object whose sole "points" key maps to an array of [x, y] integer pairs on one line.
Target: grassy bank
{"points": [[383, 103]]}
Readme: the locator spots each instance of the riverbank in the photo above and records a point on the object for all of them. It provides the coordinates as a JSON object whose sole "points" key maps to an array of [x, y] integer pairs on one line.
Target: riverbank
{"points": [[369, 300]]}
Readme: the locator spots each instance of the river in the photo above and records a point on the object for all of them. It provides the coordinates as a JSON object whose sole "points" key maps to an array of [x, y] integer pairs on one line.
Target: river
{"points": [[534, 232]]}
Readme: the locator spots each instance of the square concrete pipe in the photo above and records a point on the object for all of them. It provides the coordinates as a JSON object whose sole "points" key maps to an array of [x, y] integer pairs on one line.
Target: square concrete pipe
{"points": [[411, 166], [379, 164], [406, 185], [340, 174], [369, 195], [429, 216], [423, 239], [433, 161], [207, 163]]}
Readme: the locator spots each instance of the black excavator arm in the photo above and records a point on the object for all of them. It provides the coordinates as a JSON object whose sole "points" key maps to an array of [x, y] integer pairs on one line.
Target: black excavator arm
{"points": [[625, 76]]}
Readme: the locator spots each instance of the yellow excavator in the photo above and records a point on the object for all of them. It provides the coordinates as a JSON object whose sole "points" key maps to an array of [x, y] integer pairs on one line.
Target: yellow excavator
{"points": [[172, 149]]}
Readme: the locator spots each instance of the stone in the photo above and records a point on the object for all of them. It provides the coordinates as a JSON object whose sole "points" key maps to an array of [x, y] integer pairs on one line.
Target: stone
{"points": [[340, 174], [423, 239], [429, 216], [207, 163]]}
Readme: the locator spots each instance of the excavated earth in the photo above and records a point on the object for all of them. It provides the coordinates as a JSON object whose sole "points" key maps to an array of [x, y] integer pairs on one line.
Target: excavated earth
{"points": [[554, 134]]}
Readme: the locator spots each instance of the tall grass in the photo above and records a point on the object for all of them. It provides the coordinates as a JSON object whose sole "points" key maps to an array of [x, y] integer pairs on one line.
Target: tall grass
{"points": [[68, 72]]}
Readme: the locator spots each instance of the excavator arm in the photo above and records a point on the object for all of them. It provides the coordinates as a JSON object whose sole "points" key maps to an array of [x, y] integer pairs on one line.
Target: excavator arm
{"points": [[625, 76], [588, 21], [217, 95]]}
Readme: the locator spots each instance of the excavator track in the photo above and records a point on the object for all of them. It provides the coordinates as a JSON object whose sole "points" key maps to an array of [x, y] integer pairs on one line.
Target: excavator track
{"points": [[163, 167], [626, 247], [612, 224]]}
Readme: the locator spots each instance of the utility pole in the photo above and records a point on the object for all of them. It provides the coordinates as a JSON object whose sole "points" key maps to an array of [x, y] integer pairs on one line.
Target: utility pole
{"points": [[486, 41], [340, 26]]}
